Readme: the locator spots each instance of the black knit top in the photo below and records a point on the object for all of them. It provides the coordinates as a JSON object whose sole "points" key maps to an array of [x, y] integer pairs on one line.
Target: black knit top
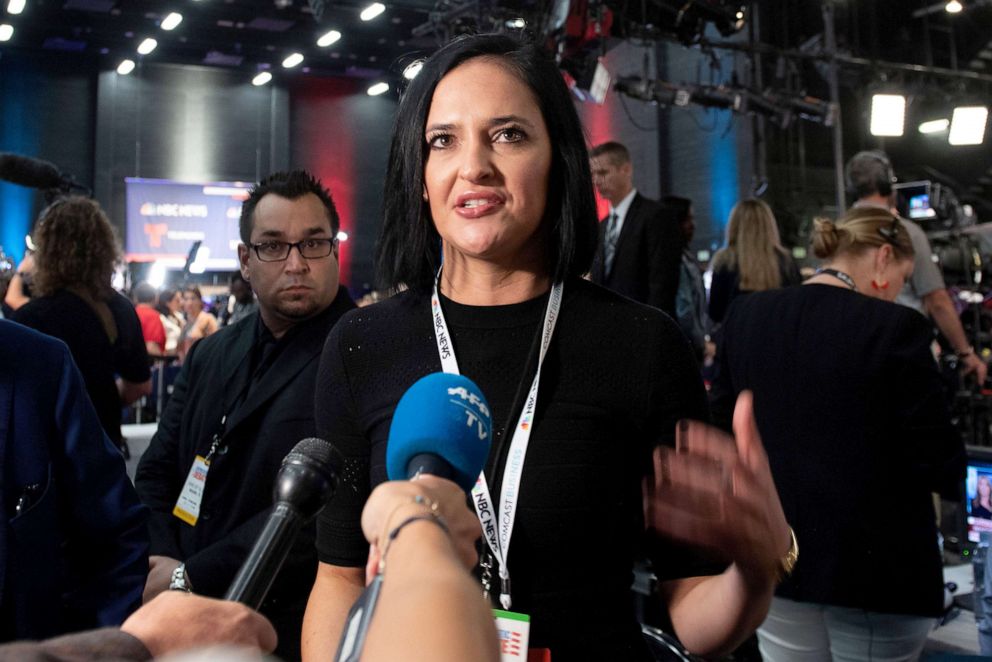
{"points": [[617, 377]]}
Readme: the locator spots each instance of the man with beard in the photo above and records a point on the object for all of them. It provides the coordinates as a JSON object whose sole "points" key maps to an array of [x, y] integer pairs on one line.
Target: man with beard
{"points": [[242, 401]]}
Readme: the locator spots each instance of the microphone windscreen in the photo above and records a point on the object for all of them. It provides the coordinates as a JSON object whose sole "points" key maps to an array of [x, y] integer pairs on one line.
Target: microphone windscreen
{"points": [[317, 452], [27, 171], [445, 415]]}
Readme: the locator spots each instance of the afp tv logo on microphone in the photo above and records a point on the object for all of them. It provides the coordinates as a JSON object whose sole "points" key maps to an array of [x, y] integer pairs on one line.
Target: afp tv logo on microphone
{"points": [[476, 412]]}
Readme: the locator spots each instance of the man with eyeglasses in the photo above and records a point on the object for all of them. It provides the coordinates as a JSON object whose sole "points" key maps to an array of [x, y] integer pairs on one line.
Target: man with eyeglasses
{"points": [[245, 396]]}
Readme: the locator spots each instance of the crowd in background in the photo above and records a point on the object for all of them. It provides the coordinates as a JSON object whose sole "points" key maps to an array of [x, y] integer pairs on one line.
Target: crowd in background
{"points": [[832, 377]]}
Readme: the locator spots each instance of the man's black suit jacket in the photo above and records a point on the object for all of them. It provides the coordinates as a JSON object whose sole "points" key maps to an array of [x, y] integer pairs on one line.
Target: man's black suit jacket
{"points": [[648, 256], [275, 415]]}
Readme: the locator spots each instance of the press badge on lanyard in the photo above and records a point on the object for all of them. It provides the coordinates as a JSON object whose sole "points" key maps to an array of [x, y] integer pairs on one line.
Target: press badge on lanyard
{"points": [[188, 505], [497, 525]]}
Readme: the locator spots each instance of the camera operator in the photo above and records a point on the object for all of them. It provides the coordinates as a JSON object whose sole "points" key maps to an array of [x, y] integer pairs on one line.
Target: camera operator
{"points": [[870, 176]]}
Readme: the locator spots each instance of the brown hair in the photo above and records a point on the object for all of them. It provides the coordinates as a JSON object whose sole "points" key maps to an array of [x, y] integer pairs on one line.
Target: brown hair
{"points": [[616, 152], [753, 246], [861, 229], [77, 248]]}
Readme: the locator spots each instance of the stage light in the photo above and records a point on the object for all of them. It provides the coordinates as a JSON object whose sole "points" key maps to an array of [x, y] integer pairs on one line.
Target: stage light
{"points": [[156, 275], [953, 7], [292, 60], [125, 67], [377, 89], [147, 46], [516, 24], [968, 125], [261, 79], [342, 235], [6, 31], [888, 114], [171, 21], [413, 69], [372, 11], [328, 38], [15, 6], [935, 126]]}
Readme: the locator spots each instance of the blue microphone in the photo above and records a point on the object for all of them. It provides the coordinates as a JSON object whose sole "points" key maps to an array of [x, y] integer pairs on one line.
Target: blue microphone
{"points": [[442, 426]]}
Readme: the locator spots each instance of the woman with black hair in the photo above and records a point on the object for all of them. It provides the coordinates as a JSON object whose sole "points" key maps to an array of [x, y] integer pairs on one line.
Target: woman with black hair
{"points": [[489, 223]]}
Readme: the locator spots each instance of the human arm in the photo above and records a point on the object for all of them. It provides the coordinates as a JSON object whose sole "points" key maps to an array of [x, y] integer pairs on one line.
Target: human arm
{"points": [[177, 621], [718, 493], [722, 290], [926, 435], [438, 616], [939, 306], [17, 291], [107, 540], [160, 476], [341, 547], [664, 260]]}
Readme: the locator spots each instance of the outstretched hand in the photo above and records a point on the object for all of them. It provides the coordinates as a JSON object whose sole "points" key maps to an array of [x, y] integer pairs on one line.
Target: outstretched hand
{"points": [[717, 491], [393, 501]]}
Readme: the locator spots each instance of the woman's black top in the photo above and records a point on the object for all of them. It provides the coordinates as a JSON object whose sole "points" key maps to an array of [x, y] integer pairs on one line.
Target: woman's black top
{"points": [[617, 377], [851, 410], [69, 318], [726, 285], [980, 511]]}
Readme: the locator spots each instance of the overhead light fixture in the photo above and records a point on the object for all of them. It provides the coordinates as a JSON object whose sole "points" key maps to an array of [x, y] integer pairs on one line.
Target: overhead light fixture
{"points": [[171, 21], [328, 38], [125, 67], [953, 7], [968, 125], [888, 114], [377, 89], [292, 60], [6, 31], [372, 11], [413, 69], [261, 79], [147, 46], [15, 6], [935, 126]]}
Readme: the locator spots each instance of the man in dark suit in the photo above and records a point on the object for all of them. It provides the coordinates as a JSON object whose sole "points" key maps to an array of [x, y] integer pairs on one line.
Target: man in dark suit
{"points": [[74, 543], [640, 243], [243, 399]]}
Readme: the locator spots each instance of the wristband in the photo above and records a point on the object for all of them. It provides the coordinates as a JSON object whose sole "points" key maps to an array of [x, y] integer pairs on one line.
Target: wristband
{"points": [[426, 517]]}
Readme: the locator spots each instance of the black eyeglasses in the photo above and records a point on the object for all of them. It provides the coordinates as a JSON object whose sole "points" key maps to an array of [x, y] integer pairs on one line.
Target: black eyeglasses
{"points": [[277, 251], [890, 233]]}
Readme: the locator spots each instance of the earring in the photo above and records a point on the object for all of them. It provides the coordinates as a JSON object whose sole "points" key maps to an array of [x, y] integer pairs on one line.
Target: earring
{"points": [[884, 285]]}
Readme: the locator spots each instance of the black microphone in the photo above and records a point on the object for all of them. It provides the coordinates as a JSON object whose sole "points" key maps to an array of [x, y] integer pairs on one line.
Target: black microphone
{"points": [[306, 480], [30, 172]]}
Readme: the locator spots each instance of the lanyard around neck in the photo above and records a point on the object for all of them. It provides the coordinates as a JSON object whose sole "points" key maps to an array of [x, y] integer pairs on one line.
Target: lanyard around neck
{"points": [[497, 526]]}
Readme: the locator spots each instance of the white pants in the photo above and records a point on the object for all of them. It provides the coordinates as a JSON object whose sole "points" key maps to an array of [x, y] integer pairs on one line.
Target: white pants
{"points": [[810, 632]]}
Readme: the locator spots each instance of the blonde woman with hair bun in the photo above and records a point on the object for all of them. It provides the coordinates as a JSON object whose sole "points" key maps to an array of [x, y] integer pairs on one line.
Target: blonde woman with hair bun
{"points": [[850, 406], [753, 259]]}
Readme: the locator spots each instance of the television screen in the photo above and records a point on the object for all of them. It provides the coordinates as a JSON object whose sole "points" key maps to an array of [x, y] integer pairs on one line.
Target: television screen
{"points": [[913, 200], [165, 217], [978, 497]]}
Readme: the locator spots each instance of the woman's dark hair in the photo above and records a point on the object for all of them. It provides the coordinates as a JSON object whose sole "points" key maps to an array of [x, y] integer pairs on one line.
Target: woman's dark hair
{"points": [[409, 247], [164, 297]]}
